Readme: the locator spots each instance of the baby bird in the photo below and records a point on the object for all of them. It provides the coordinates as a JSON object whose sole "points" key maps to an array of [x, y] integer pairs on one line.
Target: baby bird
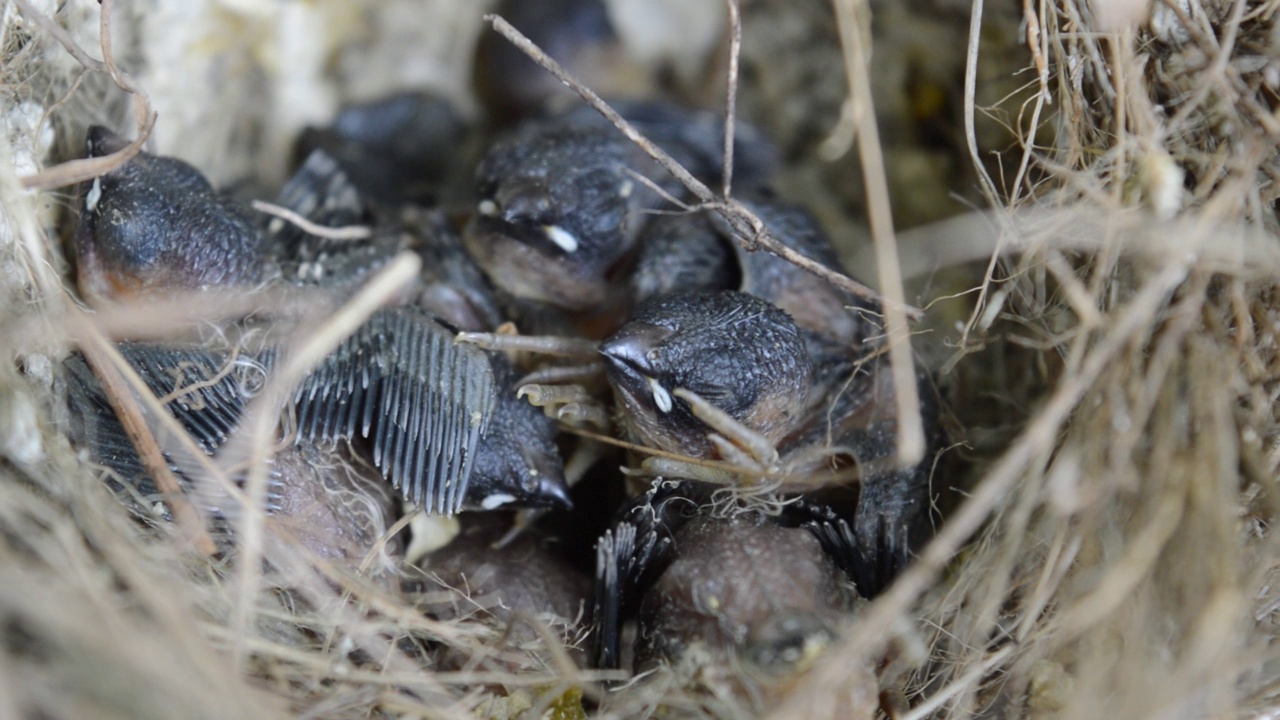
{"points": [[503, 581], [736, 351], [520, 445], [712, 579], [559, 201], [422, 403], [697, 251], [791, 401], [422, 422], [328, 498], [397, 149], [557, 208], [124, 242]]}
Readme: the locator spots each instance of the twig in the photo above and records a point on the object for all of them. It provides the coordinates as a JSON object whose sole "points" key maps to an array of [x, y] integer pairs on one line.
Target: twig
{"points": [[541, 344], [106, 363], [1038, 43], [911, 442], [60, 34], [748, 228], [1033, 44], [141, 101], [83, 169], [984, 178], [970, 103], [812, 696], [72, 172], [731, 101], [350, 232], [264, 414]]}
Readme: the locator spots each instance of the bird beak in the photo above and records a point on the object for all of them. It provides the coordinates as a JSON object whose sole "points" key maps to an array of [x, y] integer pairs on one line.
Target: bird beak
{"points": [[554, 494], [631, 345]]}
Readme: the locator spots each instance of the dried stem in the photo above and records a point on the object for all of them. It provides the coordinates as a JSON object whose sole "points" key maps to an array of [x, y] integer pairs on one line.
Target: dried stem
{"points": [[106, 363], [351, 232], [83, 169], [911, 442], [731, 100], [263, 416]]}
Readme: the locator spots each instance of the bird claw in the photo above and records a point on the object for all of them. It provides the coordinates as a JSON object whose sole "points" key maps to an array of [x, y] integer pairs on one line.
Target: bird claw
{"points": [[590, 413], [551, 396], [541, 344], [568, 403]]}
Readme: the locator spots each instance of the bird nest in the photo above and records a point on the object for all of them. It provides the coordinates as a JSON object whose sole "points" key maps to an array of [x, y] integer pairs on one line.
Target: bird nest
{"points": [[1105, 333]]}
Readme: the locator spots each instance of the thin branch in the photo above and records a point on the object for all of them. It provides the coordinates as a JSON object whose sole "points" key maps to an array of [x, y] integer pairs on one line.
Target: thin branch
{"points": [[984, 178], [83, 169], [263, 416], [731, 101], [970, 103], [1032, 22], [748, 228], [911, 441], [350, 232], [106, 362], [60, 34], [141, 102], [554, 345]]}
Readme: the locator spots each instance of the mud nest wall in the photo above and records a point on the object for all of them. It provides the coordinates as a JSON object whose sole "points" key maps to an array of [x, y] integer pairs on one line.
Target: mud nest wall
{"points": [[1106, 334]]}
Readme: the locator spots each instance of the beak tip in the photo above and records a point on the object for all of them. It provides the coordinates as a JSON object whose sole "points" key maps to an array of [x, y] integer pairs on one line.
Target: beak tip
{"points": [[556, 493], [633, 343]]}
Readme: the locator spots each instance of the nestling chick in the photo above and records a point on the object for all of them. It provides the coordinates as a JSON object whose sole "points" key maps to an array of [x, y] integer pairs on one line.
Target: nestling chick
{"points": [[397, 149], [714, 581], [557, 209], [560, 200], [400, 382], [156, 225], [330, 500], [737, 352], [823, 408], [519, 451], [523, 577], [426, 404], [697, 251], [520, 446], [400, 385]]}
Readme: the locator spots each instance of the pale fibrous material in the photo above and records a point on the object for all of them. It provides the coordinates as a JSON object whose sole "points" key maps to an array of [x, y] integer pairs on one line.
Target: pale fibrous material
{"points": [[1106, 333]]}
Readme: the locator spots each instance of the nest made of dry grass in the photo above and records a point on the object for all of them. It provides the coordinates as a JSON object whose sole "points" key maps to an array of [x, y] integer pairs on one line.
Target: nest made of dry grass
{"points": [[1114, 368]]}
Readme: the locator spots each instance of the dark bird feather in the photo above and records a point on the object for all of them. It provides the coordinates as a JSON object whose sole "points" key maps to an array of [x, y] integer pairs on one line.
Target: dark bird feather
{"points": [[423, 400], [702, 572]]}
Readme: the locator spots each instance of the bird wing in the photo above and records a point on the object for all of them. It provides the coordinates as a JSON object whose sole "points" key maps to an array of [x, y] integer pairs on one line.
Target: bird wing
{"points": [[422, 400]]}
